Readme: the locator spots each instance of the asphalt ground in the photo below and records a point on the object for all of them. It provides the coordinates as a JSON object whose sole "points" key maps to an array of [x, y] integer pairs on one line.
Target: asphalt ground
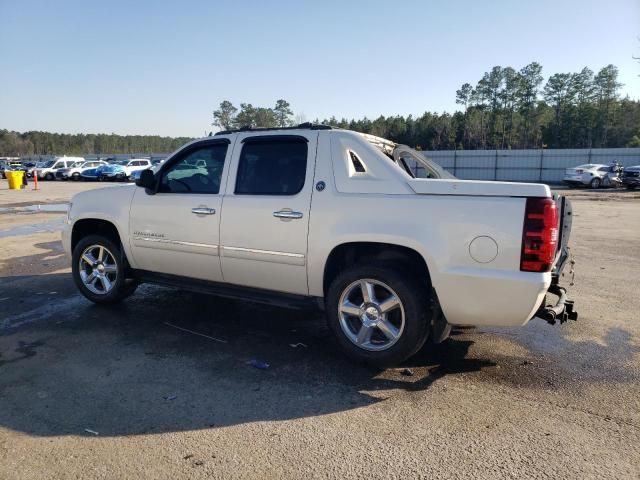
{"points": [[161, 386]]}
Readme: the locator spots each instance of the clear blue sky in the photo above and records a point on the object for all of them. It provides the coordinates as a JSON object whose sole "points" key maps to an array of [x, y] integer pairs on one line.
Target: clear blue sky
{"points": [[138, 67]]}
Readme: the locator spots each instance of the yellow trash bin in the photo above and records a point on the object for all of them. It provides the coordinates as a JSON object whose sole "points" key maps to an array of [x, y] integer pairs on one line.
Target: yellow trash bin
{"points": [[15, 180]]}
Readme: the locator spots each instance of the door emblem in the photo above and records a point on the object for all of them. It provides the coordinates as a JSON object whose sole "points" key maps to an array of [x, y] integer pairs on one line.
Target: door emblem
{"points": [[320, 186]]}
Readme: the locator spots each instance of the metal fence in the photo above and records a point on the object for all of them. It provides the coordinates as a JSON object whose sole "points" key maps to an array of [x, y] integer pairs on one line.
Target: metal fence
{"points": [[546, 166]]}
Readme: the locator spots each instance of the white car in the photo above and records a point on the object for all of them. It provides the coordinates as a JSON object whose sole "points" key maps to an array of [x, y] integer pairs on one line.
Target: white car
{"points": [[48, 170], [332, 218], [591, 175], [75, 171]]}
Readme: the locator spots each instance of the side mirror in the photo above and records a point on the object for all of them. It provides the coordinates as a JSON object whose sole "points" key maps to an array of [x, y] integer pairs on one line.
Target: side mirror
{"points": [[147, 180]]}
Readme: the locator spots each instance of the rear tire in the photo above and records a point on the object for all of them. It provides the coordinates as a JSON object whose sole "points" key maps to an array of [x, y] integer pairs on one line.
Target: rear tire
{"points": [[98, 269], [365, 327], [49, 176], [595, 183]]}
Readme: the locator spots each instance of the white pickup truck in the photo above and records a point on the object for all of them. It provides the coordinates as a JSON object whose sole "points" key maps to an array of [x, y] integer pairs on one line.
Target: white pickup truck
{"points": [[391, 246]]}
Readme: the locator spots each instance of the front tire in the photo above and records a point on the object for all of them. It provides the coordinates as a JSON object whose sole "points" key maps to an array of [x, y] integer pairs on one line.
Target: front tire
{"points": [[377, 314], [49, 176], [98, 269], [595, 183]]}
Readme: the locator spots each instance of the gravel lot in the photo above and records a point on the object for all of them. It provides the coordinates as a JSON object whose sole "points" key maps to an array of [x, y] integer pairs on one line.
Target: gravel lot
{"points": [[127, 392]]}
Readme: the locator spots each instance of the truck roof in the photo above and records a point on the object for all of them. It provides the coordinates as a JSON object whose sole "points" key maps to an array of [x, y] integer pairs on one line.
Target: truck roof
{"points": [[302, 126]]}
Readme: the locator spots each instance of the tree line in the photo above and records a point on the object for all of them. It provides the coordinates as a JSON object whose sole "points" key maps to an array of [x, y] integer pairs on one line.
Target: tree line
{"points": [[46, 143], [505, 109]]}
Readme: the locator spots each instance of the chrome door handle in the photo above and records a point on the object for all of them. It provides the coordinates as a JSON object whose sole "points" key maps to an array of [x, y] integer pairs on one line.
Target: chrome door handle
{"points": [[287, 214], [203, 211]]}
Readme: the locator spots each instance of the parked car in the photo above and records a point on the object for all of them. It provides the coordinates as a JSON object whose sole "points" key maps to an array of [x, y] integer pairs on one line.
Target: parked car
{"points": [[12, 168], [74, 172], [592, 175], [319, 216], [92, 174], [49, 169], [631, 177], [123, 169], [113, 171]]}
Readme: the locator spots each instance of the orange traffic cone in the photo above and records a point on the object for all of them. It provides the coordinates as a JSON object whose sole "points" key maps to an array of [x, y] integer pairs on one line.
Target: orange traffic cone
{"points": [[35, 181]]}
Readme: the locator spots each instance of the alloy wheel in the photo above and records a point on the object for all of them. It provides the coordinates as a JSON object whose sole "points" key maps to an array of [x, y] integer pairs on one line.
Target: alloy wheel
{"points": [[371, 314], [98, 269]]}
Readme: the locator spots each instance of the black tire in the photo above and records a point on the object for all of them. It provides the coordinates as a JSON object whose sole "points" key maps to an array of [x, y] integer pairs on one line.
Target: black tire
{"points": [[49, 176], [414, 297], [631, 187], [122, 287], [595, 183], [75, 177]]}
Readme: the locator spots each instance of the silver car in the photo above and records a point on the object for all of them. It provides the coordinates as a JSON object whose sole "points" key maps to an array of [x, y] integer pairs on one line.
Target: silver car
{"points": [[592, 175]]}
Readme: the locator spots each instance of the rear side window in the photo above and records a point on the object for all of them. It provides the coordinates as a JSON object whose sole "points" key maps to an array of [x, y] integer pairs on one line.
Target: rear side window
{"points": [[272, 167]]}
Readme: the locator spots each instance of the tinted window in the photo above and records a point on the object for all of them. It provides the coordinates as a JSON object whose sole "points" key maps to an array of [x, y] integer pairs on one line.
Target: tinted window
{"points": [[275, 167], [197, 171]]}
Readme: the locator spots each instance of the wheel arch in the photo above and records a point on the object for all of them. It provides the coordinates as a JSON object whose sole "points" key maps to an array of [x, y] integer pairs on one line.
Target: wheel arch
{"points": [[352, 253], [94, 226]]}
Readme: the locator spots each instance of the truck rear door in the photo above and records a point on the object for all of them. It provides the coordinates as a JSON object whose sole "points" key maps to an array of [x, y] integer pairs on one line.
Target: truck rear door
{"points": [[265, 217]]}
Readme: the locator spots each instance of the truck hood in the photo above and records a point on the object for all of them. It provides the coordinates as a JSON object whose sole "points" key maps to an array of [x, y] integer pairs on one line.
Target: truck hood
{"points": [[446, 186]]}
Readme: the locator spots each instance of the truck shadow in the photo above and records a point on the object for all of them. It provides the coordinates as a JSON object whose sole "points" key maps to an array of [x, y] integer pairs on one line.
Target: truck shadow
{"points": [[168, 360]]}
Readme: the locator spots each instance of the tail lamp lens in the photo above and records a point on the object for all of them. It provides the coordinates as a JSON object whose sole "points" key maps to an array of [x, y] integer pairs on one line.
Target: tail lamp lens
{"points": [[540, 235]]}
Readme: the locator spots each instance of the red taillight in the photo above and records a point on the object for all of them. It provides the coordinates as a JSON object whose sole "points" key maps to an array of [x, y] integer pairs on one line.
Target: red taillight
{"points": [[539, 235]]}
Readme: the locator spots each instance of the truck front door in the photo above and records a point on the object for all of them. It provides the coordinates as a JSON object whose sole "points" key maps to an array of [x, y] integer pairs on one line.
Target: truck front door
{"points": [[176, 231]]}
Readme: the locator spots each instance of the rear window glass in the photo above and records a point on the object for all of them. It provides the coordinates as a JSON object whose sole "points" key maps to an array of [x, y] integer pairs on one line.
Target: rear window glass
{"points": [[272, 168]]}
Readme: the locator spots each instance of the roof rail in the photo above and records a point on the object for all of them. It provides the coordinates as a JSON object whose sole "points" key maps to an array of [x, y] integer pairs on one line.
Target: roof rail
{"points": [[306, 126]]}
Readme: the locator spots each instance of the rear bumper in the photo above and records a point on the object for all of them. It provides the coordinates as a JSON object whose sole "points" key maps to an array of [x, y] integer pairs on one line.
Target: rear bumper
{"points": [[491, 297], [571, 181]]}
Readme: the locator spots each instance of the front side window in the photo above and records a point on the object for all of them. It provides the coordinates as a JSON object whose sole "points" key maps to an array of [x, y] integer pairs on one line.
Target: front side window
{"points": [[197, 171], [272, 167]]}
